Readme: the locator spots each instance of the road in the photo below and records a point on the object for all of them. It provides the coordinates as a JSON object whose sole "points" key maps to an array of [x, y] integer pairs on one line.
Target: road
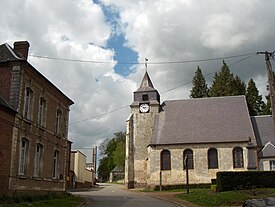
{"points": [[112, 195]]}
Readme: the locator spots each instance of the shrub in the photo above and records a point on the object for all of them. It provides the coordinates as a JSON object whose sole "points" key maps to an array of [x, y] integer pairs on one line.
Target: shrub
{"points": [[183, 186], [227, 181]]}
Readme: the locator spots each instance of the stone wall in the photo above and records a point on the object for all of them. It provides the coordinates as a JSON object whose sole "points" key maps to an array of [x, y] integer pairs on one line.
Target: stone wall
{"points": [[142, 125], [200, 173]]}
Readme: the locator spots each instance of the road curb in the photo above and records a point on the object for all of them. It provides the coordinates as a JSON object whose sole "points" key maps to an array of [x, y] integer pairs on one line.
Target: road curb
{"points": [[166, 199]]}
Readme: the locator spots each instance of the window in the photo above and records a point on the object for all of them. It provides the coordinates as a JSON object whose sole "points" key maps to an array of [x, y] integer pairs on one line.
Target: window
{"points": [[42, 112], [56, 164], [165, 159], [28, 103], [189, 153], [38, 159], [57, 121], [238, 157], [272, 164], [145, 97], [23, 156], [212, 158]]}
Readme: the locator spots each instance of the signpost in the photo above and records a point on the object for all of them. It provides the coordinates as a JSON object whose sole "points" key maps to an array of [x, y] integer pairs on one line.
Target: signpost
{"points": [[187, 176], [160, 181]]}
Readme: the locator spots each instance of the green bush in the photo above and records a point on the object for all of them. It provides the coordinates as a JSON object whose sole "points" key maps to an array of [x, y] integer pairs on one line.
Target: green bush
{"points": [[227, 181], [214, 188], [183, 186]]}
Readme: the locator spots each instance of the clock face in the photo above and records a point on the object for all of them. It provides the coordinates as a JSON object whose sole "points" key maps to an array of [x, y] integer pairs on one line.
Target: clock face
{"points": [[144, 108]]}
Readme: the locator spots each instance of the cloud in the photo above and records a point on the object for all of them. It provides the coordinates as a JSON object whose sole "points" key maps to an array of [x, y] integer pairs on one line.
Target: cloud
{"points": [[189, 30], [75, 30], [221, 32], [161, 31]]}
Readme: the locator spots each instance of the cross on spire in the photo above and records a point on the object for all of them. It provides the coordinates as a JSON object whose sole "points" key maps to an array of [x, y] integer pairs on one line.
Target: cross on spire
{"points": [[146, 60]]}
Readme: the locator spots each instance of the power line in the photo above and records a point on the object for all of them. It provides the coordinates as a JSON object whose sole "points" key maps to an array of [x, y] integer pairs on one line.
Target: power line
{"points": [[139, 63], [186, 83], [93, 117]]}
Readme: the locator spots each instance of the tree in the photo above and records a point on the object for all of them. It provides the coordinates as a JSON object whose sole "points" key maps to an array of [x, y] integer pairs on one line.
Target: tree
{"points": [[119, 154], [199, 89], [238, 87], [113, 152], [267, 106], [102, 170], [225, 84], [253, 99]]}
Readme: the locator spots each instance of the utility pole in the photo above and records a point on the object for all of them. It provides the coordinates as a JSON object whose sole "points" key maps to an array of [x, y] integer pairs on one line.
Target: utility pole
{"points": [[271, 83], [94, 161]]}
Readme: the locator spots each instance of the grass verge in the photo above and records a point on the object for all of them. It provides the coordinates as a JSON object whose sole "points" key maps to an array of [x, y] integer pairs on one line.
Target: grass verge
{"points": [[52, 199], [207, 197]]}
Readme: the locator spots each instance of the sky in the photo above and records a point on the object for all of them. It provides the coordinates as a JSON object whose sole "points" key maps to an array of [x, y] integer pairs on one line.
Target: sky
{"points": [[108, 41]]}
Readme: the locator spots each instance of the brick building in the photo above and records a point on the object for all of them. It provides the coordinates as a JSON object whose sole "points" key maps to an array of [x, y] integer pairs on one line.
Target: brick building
{"points": [[7, 116], [34, 127]]}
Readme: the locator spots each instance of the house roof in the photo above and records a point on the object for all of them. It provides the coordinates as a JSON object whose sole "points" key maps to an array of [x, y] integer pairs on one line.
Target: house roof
{"points": [[118, 169], [267, 151], [5, 105], [204, 120], [264, 132], [264, 129], [8, 54]]}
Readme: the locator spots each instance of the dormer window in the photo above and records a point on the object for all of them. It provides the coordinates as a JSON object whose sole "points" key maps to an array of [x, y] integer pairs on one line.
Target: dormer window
{"points": [[145, 97]]}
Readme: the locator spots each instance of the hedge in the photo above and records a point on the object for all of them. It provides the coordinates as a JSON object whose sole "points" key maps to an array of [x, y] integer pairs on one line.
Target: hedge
{"points": [[227, 181], [183, 186]]}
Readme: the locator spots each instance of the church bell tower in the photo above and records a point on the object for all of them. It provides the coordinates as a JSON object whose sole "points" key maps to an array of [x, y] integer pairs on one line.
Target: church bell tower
{"points": [[140, 123]]}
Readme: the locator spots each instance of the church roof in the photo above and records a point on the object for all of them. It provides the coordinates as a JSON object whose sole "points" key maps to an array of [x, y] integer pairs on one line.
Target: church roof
{"points": [[146, 84], [205, 120]]}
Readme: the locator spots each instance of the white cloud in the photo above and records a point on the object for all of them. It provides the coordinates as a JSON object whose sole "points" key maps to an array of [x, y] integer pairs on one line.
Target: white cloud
{"points": [[222, 32], [161, 30]]}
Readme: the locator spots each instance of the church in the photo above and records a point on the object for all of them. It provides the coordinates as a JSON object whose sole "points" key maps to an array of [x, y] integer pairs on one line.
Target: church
{"points": [[215, 134]]}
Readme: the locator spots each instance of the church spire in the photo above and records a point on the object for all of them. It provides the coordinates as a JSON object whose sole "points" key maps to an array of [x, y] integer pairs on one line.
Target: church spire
{"points": [[146, 83]]}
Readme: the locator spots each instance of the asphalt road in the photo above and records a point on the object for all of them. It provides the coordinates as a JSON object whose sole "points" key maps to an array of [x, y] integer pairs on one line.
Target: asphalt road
{"points": [[111, 195]]}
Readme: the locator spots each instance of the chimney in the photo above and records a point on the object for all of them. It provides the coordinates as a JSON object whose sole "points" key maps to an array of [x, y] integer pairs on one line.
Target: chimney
{"points": [[22, 47]]}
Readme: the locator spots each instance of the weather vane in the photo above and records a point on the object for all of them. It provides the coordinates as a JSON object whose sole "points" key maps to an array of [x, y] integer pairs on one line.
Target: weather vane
{"points": [[146, 60]]}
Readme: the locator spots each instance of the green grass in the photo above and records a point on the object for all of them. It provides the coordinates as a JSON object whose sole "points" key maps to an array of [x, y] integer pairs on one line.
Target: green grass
{"points": [[54, 200], [207, 197]]}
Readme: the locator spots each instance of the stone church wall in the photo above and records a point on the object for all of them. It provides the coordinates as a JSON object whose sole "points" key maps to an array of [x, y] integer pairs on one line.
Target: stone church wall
{"points": [[200, 173]]}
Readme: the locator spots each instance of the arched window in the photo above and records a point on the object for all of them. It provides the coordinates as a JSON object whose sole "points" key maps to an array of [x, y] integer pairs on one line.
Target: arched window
{"points": [[58, 122], [212, 158], [56, 164], [238, 157], [189, 153], [42, 112], [38, 160], [24, 147], [28, 103], [165, 160]]}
